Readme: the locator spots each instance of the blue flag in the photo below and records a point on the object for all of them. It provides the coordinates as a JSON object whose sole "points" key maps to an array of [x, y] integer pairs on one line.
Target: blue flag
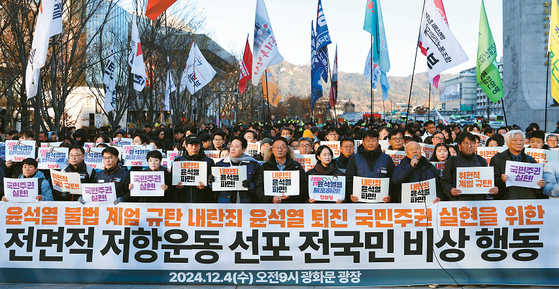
{"points": [[322, 34], [374, 24], [316, 88], [385, 85]]}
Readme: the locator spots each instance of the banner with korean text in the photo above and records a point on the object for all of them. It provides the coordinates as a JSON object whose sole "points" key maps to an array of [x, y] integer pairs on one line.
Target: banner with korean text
{"points": [[306, 161], [484, 242], [278, 183]]}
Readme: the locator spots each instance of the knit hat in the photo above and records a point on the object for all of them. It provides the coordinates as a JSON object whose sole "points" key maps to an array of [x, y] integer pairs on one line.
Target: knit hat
{"points": [[265, 140]]}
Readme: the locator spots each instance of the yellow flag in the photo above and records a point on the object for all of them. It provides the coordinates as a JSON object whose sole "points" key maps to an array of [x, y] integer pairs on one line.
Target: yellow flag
{"points": [[270, 88], [554, 50]]}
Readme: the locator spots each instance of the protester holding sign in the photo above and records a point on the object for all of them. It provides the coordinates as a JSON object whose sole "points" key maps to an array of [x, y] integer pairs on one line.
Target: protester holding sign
{"points": [[279, 157], [29, 170], [515, 142], [325, 166], [551, 177], [368, 162], [114, 173], [347, 149], [237, 157], [200, 193], [466, 158], [154, 159], [413, 168], [76, 164]]}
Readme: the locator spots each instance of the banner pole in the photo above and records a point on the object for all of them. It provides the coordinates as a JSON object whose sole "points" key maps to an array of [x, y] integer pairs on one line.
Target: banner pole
{"points": [[414, 61]]}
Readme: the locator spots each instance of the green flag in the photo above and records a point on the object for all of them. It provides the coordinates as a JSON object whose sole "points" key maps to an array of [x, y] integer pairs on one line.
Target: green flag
{"points": [[487, 73]]}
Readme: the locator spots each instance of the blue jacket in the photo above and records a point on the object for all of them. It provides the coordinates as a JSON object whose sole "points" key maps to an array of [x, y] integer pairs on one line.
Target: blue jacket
{"points": [[120, 177], [244, 196], [405, 173], [374, 164], [44, 187]]}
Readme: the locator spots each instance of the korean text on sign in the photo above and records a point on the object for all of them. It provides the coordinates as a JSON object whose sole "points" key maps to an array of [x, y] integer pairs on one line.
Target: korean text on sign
{"points": [[370, 190], [475, 180]]}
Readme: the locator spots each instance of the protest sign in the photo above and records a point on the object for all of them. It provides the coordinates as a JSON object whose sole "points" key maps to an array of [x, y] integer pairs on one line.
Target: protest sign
{"points": [[171, 155], [17, 150], [99, 193], [475, 180], [278, 183], [66, 182], [542, 156], [356, 144], [383, 144], [334, 145], [135, 155], [488, 152], [482, 139], [214, 154], [439, 166], [525, 175], [147, 183], [327, 188], [120, 142], [229, 178], [94, 158], [21, 190], [419, 192], [52, 158], [51, 144], [190, 173], [427, 150], [306, 161], [87, 145], [253, 149], [2, 150], [396, 156], [370, 190]]}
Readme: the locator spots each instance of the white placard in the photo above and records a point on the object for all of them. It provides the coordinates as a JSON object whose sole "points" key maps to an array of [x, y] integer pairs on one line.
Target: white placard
{"points": [[120, 142], [229, 178], [94, 158], [419, 192], [427, 150], [306, 161], [278, 183], [482, 138], [21, 190], [488, 152], [525, 175], [52, 158], [17, 150], [99, 193], [66, 182], [542, 156], [253, 149], [475, 180], [383, 144], [190, 173], [51, 144], [439, 166], [356, 144], [147, 183], [135, 155], [334, 145], [214, 154], [370, 190], [397, 156], [327, 188]]}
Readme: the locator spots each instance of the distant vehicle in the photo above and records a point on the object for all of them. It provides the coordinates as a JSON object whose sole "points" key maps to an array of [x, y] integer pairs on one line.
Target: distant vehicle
{"points": [[495, 124]]}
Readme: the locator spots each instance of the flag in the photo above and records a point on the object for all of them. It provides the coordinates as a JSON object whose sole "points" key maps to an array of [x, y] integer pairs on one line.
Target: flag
{"points": [[156, 7], [442, 49], [316, 88], [333, 95], [49, 23], [197, 72], [270, 88], [487, 72], [375, 71], [136, 58], [384, 84], [110, 82], [374, 24], [440, 8], [265, 47], [554, 49], [169, 88], [445, 122], [322, 41], [246, 68]]}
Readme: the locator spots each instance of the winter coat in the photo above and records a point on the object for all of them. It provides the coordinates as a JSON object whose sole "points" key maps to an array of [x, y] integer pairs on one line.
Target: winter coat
{"points": [[191, 194], [551, 177], [373, 164], [87, 175], [499, 162], [405, 173], [120, 177], [44, 187], [449, 175], [242, 196]]}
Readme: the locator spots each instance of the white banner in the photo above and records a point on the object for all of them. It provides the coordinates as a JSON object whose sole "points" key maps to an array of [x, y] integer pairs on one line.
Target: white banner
{"points": [[190, 173], [147, 183], [17, 150], [523, 174], [52, 158], [475, 180], [123, 141], [66, 182], [21, 190], [214, 154], [419, 192], [135, 155], [229, 178], [396, 156], [94, 194], [327, 188], [253, 149], [278, 183], [488, 152], [370, 190], [542, 156], [307, 161]]}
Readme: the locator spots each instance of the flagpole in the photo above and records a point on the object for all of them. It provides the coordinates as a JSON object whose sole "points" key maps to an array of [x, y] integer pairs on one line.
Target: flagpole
{"points": [[504, 112], [267, 95], [372, 92], [546, 91], [429, 105], [415, 60], [168, 65]]}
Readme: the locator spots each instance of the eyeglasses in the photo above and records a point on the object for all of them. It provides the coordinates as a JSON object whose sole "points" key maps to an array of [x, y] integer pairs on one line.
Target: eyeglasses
{"points": [[305, 146], [438, 137], [76, 156]]}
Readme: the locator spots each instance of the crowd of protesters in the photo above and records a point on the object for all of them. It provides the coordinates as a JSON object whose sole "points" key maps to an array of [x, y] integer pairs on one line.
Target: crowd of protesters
{"points": [[455, 145]]}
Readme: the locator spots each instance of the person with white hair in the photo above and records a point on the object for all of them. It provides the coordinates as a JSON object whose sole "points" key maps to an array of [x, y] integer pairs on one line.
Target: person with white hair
{"points": [[515, 142]]}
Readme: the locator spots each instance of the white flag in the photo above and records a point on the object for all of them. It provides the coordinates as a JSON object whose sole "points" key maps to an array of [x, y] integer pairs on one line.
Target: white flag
{"points": [[49, 23], [110, 82], [265, 48], [376, 70], [136, 58], [443, 50], [169, 88], [198, 72]]}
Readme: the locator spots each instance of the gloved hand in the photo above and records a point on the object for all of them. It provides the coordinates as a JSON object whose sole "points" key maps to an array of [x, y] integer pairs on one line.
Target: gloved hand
{"points": [[246, 184], [65, 195], [118, 200], [81, 201], [211, 179]]}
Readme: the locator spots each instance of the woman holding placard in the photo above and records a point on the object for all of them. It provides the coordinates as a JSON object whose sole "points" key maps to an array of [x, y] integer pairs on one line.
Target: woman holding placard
{"points": [[325, 166]]}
